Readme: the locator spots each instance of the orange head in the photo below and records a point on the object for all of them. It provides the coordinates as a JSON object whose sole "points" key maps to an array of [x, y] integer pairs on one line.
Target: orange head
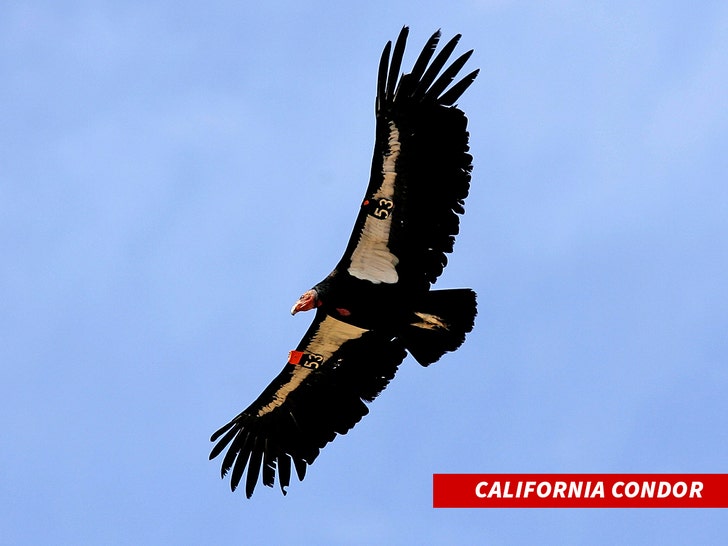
{"points": [[306, 302]]}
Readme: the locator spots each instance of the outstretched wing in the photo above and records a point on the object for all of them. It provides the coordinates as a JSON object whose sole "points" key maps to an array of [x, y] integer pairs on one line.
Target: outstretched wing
{"points": [[420, 171], [320, 393]]}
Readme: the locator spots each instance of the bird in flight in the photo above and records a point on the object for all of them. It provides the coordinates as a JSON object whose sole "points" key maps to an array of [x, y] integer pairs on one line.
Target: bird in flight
{"points": [[377, 304]]}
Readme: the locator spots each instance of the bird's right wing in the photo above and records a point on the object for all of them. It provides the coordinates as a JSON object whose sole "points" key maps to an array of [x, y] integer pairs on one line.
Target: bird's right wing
{"points": [[319, 393]]}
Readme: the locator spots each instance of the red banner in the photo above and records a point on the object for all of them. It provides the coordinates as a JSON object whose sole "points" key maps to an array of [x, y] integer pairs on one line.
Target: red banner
{"points": [[580, 491]]}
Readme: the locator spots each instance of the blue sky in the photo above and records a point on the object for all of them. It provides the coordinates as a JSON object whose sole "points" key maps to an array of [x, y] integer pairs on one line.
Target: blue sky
{"points": [[174, 174]]}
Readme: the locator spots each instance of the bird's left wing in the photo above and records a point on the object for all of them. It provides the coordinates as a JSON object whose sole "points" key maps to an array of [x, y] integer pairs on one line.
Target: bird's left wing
{"points": [[319, 393], [420, 173]]}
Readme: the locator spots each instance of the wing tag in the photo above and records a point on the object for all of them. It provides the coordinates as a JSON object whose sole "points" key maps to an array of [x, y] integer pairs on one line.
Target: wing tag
{"points": [[379, 207], [306, 360]]}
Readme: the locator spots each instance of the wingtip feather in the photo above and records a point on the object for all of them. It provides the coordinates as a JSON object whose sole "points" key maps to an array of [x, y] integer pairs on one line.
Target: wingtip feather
{"points": [[457, 90], [256, 458], [396, 63]]}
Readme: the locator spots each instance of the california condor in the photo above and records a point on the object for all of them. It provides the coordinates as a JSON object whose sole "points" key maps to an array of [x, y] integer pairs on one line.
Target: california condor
{"points": [[376, 305]]}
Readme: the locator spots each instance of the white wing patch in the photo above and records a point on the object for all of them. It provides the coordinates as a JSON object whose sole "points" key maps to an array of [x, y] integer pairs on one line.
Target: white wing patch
{"points": [[299, 374], [331, 335], [371, 259]]}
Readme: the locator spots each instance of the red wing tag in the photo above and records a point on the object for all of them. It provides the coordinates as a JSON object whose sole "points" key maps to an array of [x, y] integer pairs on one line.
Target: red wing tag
{"points": [[294, 357], [306, 360]]}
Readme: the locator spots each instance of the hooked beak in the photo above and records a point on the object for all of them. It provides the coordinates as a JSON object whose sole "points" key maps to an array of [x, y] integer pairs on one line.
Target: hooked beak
{"points": [[306, 302]]}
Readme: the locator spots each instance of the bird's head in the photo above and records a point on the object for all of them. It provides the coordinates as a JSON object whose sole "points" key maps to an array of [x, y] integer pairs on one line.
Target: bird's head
{"points": [[306, 302]]}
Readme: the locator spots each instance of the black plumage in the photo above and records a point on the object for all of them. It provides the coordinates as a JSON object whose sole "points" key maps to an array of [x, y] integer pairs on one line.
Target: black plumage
{"points": [[377, 303]]}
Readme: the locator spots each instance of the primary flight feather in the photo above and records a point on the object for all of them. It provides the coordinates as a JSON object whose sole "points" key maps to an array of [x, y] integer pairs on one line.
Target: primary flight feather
{"points": [[377, 304]]}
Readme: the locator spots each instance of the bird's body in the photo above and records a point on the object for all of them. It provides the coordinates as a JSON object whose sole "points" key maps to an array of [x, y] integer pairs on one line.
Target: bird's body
{"points": [[377, 303]]}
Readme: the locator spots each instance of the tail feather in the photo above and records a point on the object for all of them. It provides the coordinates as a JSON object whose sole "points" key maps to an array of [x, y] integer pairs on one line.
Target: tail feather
{"points": [[440, 324]]}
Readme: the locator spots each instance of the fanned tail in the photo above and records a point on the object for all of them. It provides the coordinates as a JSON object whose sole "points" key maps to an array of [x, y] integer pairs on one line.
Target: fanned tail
{"points": [[440, 324]]}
